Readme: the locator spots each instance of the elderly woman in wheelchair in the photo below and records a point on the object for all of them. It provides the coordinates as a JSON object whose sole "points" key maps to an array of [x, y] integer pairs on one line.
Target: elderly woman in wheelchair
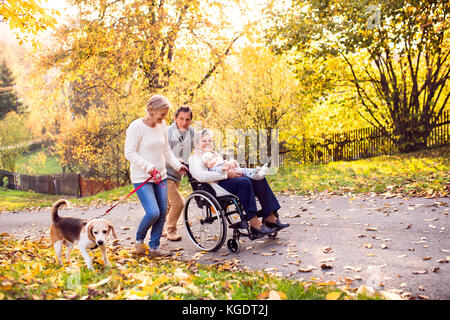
{"points": [[222, 198]]}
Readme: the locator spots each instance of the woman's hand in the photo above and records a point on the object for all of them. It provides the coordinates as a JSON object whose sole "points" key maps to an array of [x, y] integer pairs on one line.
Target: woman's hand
{"points": [[152, 171], [183, 170], [233, 174]]}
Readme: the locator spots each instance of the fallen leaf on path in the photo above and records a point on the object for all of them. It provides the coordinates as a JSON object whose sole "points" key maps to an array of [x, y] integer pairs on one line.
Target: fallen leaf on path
{"points": [[271, 269], [307, 269], [327, 250], [327, 260], [296, 263], [423, 271], [356, 269]]}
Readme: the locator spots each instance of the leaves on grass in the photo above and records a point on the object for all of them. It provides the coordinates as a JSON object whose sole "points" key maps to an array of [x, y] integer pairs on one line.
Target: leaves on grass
{"points": [[333, 295], [272, 295], [29, 271]]}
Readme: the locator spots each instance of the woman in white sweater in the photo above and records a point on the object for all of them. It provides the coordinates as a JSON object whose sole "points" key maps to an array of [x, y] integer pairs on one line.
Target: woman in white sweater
{"points": [[147, 148]]}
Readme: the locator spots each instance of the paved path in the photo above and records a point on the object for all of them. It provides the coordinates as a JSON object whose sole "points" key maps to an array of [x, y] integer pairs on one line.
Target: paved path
{"points": [[396, 244]]}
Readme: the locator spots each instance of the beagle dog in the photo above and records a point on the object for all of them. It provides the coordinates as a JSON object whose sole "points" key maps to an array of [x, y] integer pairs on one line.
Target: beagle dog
{"points": [[89, 234]]}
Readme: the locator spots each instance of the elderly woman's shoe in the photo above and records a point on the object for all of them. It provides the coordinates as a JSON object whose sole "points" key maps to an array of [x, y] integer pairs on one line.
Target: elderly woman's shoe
{"points": [[263, 230], [278, 225]]}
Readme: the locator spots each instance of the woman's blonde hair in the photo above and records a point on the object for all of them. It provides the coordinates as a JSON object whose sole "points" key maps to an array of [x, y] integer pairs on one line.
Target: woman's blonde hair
{"points": [[157, 102]]}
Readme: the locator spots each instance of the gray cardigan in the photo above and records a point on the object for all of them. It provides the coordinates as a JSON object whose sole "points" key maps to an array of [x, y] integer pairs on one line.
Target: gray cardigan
{"points": [[182, 145]]}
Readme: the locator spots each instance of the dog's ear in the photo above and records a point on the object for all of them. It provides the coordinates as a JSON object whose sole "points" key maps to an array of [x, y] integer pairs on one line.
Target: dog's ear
{"points": [[111, 228], [89, 232]]}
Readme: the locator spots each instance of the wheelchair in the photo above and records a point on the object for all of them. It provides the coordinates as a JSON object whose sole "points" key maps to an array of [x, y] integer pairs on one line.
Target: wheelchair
{"points": [[207, 216]]}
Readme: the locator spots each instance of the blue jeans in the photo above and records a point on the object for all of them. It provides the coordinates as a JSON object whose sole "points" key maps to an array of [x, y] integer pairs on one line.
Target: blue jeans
{"points": [[154, 200]]}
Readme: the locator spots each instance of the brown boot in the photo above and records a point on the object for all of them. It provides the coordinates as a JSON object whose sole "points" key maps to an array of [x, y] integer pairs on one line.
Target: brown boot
{"points": [[158, 253], [139, 249]]}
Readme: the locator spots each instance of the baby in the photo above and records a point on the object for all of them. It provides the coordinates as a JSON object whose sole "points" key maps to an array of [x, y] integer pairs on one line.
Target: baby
{"points": [[215, 162]]}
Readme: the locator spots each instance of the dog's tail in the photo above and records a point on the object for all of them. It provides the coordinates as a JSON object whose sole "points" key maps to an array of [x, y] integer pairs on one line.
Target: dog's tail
{"points": [[55, 208]]}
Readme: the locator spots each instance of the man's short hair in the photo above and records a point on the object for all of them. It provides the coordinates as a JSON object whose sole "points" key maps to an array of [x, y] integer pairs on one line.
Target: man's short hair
{"points": [[183, 108]]}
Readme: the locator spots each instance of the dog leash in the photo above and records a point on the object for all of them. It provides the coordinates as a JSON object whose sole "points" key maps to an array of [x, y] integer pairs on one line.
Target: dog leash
{"points": [[156, 174]]}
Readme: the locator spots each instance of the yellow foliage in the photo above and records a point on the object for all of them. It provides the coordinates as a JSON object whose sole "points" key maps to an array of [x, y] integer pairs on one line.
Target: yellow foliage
{"points": [[27, 16], [333, 295]]}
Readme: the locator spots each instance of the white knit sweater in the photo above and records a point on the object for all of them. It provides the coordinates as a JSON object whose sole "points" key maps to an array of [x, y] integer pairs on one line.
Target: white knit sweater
{"points": [[147, 148], [201, 173]]}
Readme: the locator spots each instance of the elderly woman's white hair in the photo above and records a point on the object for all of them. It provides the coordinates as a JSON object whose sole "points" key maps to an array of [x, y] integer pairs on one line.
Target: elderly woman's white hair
{"points": [[199, 135], [157, 102]]}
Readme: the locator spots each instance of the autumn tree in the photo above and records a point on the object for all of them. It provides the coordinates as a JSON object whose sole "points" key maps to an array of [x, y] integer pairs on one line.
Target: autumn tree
{"points": [[115, 45], [8, 96], [254, 94], [397, 53], [26, 17], [93, 145], [118, 53]]}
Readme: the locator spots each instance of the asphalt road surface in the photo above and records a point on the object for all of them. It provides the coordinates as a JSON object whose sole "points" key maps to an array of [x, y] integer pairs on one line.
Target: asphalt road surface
{"points": [[389, 243]]}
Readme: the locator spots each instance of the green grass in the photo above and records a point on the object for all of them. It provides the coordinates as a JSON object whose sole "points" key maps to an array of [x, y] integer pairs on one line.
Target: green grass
{"points": [[423, 173], [40, 162], [15, 200]]}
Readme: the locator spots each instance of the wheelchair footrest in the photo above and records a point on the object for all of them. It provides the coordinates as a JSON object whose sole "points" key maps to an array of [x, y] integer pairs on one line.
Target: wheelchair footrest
{"points": [[253, 236], [239, 225]]}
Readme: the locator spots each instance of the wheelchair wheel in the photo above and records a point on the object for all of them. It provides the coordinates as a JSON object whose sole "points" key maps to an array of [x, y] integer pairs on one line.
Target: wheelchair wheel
{"points": [[204, 221], [233, 245]]}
